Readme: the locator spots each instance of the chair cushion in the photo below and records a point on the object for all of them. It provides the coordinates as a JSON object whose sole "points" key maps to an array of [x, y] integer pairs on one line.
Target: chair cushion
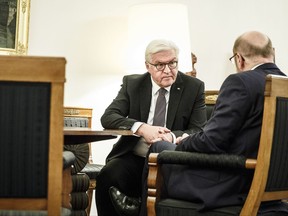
{"points": [[80, 182], [64, 212], [79, 201], [92, 170], [273, 208], [81, 153], [68, 159], [173, 207], [79, 213]]}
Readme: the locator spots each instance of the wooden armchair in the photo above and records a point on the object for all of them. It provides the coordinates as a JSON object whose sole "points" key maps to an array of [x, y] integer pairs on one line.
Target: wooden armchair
{"points": [[270, 181], [31, 140]]}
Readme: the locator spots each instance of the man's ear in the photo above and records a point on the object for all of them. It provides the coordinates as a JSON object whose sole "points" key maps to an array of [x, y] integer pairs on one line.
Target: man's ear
{"points": [[147, 65], [242, 63]]}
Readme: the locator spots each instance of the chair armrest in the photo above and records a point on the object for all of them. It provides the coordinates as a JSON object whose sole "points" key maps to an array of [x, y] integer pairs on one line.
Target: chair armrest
{"points": [[154, 183], [68, 161], [195, 159]]}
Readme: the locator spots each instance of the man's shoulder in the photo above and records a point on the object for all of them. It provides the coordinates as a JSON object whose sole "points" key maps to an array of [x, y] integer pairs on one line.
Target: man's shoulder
{"points": [[252, 81], [136, 77], [249, 74], [137, 80]]}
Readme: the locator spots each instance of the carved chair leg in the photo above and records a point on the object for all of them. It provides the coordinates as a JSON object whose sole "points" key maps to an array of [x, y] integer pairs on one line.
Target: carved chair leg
{"points": [[90, 191]]}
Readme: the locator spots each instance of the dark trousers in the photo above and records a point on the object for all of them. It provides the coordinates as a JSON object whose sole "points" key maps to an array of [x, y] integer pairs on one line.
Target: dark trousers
{"points": [[155, 148], [125, 173]]}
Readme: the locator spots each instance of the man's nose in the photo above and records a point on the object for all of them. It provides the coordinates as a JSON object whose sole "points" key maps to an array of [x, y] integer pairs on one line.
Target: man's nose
{"points": [[166, 69]]}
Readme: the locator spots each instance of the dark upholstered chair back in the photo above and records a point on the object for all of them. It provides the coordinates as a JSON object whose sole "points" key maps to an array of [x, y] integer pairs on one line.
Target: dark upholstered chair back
{"points": [[278, 172], [24, 126]]}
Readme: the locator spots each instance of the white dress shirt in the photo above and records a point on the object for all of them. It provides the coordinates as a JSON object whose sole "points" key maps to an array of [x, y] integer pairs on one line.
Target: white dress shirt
{"points": [[142, 147]]}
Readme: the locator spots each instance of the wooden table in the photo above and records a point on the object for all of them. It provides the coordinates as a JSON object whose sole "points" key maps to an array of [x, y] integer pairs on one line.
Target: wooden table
{"points": [[77, 135]]}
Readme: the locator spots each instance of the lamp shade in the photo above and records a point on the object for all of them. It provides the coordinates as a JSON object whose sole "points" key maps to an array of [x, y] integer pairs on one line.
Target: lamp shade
{"points": [[147, 22]]}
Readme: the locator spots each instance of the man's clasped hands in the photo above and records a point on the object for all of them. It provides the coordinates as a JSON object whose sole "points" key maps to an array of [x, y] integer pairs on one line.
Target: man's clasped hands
{"points": [[154, 134]]}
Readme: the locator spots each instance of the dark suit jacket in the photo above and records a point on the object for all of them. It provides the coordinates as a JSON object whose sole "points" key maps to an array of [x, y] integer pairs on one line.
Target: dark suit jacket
{"points": [[234, 127], [186, 109]]}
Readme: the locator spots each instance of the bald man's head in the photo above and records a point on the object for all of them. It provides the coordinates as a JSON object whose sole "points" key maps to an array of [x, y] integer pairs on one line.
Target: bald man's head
{"points": [[254, 44]]}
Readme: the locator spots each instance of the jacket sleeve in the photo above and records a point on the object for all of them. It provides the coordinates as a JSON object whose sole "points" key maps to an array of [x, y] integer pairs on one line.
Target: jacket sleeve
{"points": [[115, 115]]}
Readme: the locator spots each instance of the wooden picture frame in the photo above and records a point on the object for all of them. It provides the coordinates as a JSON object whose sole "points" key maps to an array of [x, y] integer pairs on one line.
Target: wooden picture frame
{"points": [[14, 26]]}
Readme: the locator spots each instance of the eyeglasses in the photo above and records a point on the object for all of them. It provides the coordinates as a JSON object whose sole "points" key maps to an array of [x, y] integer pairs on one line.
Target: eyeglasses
{"points": [[161, 66], [230, 59]]}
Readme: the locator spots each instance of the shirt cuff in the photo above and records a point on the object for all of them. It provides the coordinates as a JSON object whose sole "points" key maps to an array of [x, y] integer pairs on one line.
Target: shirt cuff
{"points": [[135, 127], [173, 137]]}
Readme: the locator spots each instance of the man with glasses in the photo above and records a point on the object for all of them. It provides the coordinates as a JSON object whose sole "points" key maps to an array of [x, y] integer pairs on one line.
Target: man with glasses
{"points": [[135, 108]]}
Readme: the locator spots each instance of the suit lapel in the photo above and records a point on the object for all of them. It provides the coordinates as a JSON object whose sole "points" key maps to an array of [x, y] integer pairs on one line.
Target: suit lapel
{"points": [[175, 96], [145, 99]]}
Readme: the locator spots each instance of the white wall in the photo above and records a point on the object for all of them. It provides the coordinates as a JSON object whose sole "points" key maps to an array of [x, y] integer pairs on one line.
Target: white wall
{"points": [[92, 36]]}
